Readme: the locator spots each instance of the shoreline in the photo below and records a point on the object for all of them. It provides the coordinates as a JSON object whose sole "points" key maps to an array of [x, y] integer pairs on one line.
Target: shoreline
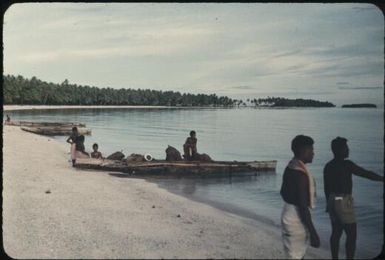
{"points": [[87, 214], [51, 107]]}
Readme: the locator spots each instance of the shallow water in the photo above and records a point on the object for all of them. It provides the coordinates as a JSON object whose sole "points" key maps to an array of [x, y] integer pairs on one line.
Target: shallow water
{"points": [[248, 134]]}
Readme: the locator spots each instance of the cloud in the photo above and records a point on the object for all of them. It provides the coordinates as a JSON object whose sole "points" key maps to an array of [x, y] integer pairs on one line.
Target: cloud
{"points": [[217, 47], [242, 87], [360, 88]]}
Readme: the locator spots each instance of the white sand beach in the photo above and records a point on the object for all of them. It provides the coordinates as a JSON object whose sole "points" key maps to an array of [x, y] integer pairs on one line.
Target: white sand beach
{"points": [[51, 210]]}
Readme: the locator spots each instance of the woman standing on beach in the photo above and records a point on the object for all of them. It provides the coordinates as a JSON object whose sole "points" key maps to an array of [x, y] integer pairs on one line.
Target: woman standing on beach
{"points": [[298, 193], [72, 140]]}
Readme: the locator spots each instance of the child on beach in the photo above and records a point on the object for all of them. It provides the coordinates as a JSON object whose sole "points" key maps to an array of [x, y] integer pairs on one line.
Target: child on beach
{"points": [[72, 140], [96, 154]]}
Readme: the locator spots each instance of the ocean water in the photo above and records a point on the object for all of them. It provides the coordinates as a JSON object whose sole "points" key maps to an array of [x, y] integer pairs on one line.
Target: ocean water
{"points": [[248, 134]]}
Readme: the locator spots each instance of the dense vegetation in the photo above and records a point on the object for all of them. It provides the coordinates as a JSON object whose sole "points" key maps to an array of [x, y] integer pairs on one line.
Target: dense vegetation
{"points": [[360, 105], [22, 91], [285, 102]]}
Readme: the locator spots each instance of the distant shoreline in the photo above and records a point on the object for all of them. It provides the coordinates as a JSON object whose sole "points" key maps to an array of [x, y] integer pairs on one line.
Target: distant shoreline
{"points": [[42, 107], [359, 105], [49, 107]]}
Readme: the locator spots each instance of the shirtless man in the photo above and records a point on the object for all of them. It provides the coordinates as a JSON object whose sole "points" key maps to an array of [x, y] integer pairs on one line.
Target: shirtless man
{"points": [[338, 192], [190, 147]]}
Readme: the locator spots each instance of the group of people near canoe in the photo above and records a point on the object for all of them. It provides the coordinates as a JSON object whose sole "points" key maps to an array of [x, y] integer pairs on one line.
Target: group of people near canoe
{"points": [[190, 149], [78, 149], [298, 193]]}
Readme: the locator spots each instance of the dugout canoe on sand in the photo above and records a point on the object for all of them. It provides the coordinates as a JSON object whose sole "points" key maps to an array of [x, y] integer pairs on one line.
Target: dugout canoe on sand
{"points": [[56, 130], [181, 168], [46, 123]]}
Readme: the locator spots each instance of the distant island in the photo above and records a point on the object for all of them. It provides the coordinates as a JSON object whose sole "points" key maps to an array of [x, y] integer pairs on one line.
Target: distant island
{"points": [[360, 105], [18, 90], [285, 102]]}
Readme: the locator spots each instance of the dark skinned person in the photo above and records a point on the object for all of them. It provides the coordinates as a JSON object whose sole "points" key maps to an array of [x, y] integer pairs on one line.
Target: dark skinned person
{"points": [[298, 193], [338, 187]]}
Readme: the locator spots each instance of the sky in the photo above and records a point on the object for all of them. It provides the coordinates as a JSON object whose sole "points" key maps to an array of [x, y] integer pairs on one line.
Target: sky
{"points": [[332, 52]]}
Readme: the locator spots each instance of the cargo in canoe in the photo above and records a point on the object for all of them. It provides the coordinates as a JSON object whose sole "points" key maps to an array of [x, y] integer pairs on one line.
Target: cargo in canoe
{"points": [[178, 168], [56, 130], [46, 123]]}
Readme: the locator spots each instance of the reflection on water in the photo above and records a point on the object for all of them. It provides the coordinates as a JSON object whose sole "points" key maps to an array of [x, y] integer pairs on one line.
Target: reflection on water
{"points": [[222, 192], [247, 135]]}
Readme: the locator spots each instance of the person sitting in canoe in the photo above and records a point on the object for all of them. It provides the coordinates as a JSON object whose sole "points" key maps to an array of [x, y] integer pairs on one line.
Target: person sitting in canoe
{"points": [[72, 140], [80, 149], [190, 147], [96, 154]]}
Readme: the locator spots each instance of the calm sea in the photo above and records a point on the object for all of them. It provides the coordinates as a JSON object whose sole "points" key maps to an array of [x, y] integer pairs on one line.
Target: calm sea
{"points": [[248, 134]]}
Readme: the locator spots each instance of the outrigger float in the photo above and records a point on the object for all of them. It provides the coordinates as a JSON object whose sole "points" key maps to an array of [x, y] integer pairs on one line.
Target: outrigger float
{"points": [[179, 168]]}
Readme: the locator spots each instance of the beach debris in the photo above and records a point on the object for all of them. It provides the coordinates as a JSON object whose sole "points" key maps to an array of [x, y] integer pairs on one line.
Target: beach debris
{"points": [[172, 154], [134, 157], [148, 157], [201, 231], [203, 157], [48, 191], [116, 156], [153, 206], [178, 216]]}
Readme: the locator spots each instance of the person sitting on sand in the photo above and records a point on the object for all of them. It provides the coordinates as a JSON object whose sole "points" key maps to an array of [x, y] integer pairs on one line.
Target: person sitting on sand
{"points": [[72, 140], [80, 149], [8, 120], [190, 147], [96, 154]]}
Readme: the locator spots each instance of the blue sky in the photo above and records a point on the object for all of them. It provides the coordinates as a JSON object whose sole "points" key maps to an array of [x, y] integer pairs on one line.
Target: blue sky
{"points": [[324, 51]]}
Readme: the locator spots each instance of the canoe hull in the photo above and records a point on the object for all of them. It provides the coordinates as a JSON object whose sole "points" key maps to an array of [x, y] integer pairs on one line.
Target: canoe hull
{"points": [[165, 168], [46, 123], [52, 131]]}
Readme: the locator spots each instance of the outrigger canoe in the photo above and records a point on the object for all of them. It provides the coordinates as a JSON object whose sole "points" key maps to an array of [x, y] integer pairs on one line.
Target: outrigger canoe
{"points": [[56, 130], [180, 168], [46, 123]]}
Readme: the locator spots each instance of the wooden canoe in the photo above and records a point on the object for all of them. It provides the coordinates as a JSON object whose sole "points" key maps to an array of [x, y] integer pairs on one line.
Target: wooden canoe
{"points": [[46, 123], [180, 168], [56, 130]]}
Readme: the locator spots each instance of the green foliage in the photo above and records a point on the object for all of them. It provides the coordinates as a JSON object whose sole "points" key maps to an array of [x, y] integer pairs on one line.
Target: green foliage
{"points": [[22, 91], [285, 102], [360, 105]]}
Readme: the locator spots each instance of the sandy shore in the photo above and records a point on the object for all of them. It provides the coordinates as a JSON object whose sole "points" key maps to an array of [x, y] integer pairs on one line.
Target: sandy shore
{"points": [[51, 210], [36, 107]]}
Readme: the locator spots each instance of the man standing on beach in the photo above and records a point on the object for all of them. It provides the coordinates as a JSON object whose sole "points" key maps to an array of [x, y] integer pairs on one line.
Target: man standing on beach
{"points": [[298, 193], [338, 192]]}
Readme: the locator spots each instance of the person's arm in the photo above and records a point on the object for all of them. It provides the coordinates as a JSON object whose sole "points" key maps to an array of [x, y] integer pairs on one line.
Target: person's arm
{"points": [[304, 212], [68, 140], [359, 171], [326, 186]]}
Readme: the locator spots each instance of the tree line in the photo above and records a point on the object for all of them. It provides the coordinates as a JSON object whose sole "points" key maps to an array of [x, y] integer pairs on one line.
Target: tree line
{"points": [[285, 102], [23, 91], [18, 90]]}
